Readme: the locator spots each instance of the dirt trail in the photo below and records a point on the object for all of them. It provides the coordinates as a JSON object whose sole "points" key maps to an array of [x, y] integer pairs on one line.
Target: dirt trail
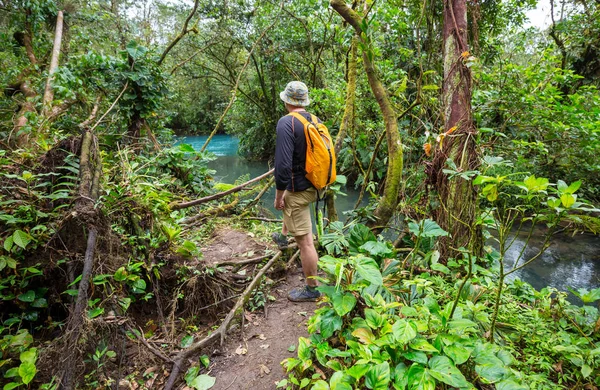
{"points": [[266, 341]]}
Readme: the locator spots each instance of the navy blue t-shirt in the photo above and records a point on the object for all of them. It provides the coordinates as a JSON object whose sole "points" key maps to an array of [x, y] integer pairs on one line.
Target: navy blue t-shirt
{"points": [[290, 154]]}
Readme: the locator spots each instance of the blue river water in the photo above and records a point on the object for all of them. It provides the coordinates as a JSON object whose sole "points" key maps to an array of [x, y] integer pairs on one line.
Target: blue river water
{"points": [[570, 261]]}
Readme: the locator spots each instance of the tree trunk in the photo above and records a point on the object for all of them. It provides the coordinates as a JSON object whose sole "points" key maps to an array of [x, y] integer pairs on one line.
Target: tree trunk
{"points": [[389, 200], [458, 197], [348, 121], [48, 92]]}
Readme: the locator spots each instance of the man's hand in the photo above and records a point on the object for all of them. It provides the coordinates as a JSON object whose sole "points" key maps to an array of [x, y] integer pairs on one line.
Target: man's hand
{"points": [[279, 200]]}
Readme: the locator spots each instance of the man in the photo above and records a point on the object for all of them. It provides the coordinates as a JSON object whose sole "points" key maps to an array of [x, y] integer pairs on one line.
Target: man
{"points": [[294, 191]]}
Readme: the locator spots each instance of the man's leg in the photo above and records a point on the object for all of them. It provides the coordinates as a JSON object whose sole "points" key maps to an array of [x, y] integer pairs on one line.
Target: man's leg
{"points": [[308, 257]]}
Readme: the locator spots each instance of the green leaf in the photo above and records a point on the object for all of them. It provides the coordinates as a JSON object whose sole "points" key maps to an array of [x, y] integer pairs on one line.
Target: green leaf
{"points": [[367, 268], [423, 345], [404, 331], [586, 370], [509, 384], [343, 303], [120, 275], [357, 371], [358, 235], [378, 377], [29, 356], [204, 359], [568, 200], [95, 312], [186, 341], [573, 187], [490, 368], [191, 374], [135, 51], [40, 303], [339, 381], [304, 382], [8, 243], [376, 249], [329, 322], [203, 382], [11, 385], [304, 349], [284, 382], [318, 385], [374, 319], [187, 148], [419, 378], [365, 335], [139, 286], [440, 268], [291, 348], [29, 296], [457, 353], [427, 228], [443, 370], [27, 371], [21, 239]]}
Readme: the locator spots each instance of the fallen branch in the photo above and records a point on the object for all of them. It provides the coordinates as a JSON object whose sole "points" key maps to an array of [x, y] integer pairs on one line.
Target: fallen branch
{"points": [[214, 212], [183, 205], [291, 261], [262, 219], [241, 262], [221, 332], [139, 335]]}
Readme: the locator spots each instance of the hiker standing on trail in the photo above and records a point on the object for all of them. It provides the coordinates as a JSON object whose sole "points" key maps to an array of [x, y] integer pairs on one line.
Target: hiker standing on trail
{"points": [[294, 190]]}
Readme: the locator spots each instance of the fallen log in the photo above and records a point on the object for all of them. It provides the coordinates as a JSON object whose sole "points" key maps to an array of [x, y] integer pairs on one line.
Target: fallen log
{"points": [[183, 205]]}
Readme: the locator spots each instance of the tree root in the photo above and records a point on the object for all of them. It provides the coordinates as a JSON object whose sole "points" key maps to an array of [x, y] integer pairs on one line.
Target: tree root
{"points": [[221, 332]]}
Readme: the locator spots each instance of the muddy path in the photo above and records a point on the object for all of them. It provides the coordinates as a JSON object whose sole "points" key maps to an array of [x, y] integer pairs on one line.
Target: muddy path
{"points": [[250, 359]]}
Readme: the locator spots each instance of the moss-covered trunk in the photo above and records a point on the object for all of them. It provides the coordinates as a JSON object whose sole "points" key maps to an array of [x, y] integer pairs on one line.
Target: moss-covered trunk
{"points": [[458, 197], [389, 200], [348, 120]]}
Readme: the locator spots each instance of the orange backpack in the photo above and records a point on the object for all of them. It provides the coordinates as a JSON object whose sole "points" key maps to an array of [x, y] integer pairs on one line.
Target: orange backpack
{"points": [[320, 153]]}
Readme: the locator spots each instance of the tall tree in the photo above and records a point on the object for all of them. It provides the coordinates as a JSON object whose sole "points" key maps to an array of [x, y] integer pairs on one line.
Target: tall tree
{"points": [[388, 202], [457, 147]]}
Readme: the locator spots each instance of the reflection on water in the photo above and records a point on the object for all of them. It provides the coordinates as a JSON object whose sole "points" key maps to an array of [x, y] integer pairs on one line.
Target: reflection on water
{"points": [[568, 262]]}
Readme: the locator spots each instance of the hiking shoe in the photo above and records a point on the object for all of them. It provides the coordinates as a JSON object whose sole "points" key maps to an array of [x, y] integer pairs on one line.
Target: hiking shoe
{"points": [[280, 240], [304, 294]]}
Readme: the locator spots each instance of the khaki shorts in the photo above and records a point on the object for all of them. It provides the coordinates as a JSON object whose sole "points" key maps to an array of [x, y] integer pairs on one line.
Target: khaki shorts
{"points": [[296, 213]]}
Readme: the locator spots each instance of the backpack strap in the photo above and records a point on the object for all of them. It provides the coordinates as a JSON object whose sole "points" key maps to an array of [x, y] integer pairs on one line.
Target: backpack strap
{"points": [[299, 117]]}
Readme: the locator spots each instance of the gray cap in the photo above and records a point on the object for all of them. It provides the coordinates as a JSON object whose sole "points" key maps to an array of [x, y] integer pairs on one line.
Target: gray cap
{"points": [[296, 94]]}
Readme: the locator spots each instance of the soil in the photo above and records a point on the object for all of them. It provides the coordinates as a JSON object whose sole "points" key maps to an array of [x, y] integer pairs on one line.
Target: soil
{"points": [[251, 359]]}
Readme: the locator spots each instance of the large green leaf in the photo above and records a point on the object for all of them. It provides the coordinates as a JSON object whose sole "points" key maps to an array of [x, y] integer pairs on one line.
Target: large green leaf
{"points": [[427, 228], [404, 331], [340, 381], [343, 303], [29, 356], [304, 349], [443, 370], [423, 345], [357, 371], [374, 319], [418, 377], [367, 268], [329, 322], [378, 377], [457, 353], [136, 51], [359, 234], [21, 239], [203, 382], [490, 368], [29, 296], [509, 384], [27, 372], [376, 249]]}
